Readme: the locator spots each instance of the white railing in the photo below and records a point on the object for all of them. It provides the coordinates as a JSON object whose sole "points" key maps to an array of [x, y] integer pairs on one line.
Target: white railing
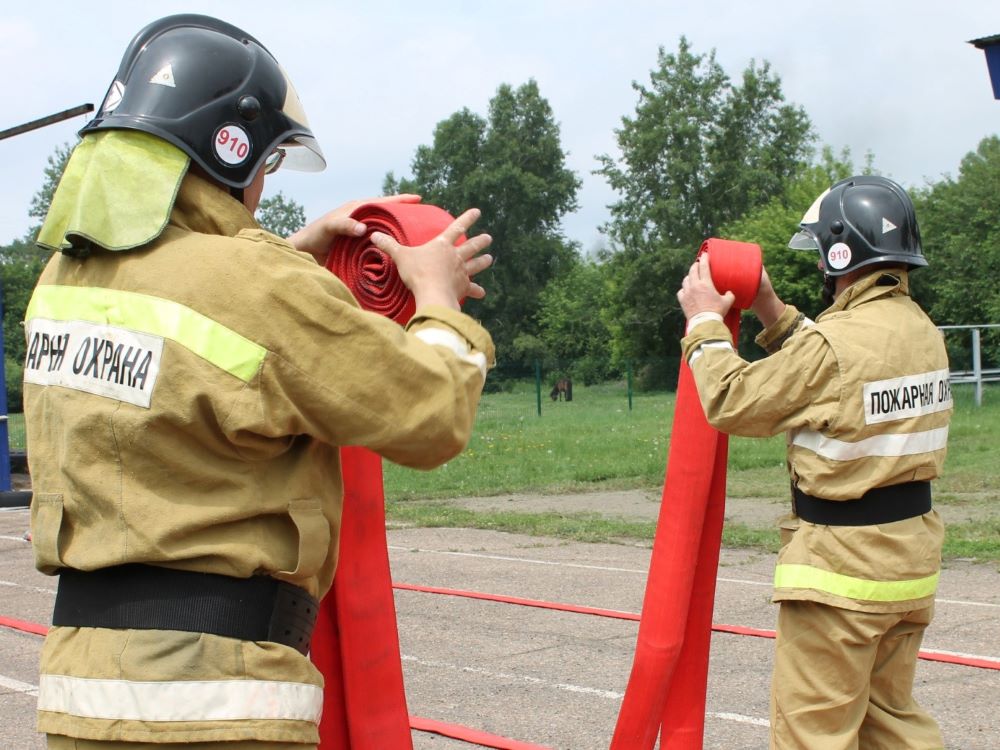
{"points": [[978, 374]]}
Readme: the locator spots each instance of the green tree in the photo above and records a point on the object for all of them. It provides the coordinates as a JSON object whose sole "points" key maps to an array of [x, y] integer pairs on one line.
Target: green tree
{"points": [[960, 229], [40, 201], [572, 324], [511, 166], [699, 153], [21, 263], [280, 215]]}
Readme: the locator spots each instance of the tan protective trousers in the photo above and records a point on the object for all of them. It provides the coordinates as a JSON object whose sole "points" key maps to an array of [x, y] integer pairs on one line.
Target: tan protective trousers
{"points": [[843, 680], [59, 742]]}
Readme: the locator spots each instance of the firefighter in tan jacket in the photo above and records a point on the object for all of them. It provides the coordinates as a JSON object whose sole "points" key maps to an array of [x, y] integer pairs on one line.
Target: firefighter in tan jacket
{"points": [[863, 396], [188, 382]]}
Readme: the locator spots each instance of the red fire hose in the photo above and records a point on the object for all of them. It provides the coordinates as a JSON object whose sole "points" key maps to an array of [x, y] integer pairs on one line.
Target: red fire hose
{"points": [[368, 272], [676, 622], [356, 643]]}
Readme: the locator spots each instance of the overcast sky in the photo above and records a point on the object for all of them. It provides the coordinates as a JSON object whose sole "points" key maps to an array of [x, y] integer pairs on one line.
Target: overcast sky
{"points": [[893, 77]]}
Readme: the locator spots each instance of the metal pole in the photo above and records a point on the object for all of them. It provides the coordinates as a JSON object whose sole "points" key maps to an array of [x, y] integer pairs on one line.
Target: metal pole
{"points": [[977, 366], [4, 442], [538, 385], [41, 122], [628, 381]]}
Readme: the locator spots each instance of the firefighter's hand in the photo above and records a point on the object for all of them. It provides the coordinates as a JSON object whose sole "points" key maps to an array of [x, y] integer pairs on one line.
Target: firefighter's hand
{"points": [[438, 272], [317, 237], [766, 305], [698, 293]]}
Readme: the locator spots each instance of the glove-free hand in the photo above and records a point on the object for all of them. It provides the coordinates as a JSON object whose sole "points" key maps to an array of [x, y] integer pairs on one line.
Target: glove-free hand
{"points": [[698, 293], [316, 237], [438, 272]]}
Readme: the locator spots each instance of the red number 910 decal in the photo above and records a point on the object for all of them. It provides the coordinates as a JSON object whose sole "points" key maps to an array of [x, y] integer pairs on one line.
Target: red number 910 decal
{"points": [[839, 256], [232, 144]]}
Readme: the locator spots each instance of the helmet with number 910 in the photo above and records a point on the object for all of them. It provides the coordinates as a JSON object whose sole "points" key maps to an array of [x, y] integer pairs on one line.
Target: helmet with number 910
{"points": [[860, 221], [216, 93]]}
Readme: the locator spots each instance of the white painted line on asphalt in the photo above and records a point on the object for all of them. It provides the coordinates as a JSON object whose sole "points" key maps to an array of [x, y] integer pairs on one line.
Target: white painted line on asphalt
{"points": [[966, 603], [739, 718], [478, 671], [567, 687], [745, 581], [36, 589], [17, 686], [528, 560], [533, 561]]}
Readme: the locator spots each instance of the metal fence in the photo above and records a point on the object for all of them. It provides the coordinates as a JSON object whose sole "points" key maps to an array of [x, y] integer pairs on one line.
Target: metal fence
{"points": [[974, 352], [967, 362]]}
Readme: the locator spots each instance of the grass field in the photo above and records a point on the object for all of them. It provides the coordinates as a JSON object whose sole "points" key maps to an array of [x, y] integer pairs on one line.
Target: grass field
{"points": [[596, 442]]}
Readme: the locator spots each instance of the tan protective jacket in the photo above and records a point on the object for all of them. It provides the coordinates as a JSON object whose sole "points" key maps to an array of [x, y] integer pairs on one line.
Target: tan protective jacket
{"points": [[864, 397], [184, 406]]}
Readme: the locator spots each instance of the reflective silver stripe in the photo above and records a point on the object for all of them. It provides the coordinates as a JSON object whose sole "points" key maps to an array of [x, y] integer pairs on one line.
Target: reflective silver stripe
{"points": [[907, 444], [449, 340], [702, 317], [183, 700], [708, 345]]}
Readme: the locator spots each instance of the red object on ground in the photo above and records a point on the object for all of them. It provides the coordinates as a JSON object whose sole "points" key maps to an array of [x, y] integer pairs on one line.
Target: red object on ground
{"points": [[676, 622], [356, 643], [472, 736]]}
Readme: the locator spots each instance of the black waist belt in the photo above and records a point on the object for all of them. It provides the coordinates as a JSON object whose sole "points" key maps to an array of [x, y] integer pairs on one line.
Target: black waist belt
{"points": [[147, 597], [880, 505]]}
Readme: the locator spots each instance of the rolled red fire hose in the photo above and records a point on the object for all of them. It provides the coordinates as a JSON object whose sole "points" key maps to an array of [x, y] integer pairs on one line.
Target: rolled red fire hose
{"points": [[368, 272], [356, 643], [665, 694]]}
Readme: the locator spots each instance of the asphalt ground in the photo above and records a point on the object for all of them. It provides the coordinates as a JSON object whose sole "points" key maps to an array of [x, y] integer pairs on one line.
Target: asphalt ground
{"points": [[555, 678]]}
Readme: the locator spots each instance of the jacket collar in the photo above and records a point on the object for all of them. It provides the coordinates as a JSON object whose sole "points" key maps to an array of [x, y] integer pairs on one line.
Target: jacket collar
{"points": [[204, 207], [884, 282]]}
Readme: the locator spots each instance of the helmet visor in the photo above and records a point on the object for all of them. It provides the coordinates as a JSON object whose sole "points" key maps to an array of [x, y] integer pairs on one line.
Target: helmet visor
{"points": [[804, 240], [302, 152]]}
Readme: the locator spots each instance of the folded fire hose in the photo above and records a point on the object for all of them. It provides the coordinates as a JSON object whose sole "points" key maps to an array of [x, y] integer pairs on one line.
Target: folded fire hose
{"points": [[665, 694], [356, 643]]}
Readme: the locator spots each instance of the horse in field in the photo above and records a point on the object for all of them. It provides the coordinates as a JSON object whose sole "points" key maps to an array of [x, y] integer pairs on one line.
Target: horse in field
{"points": [[562, 390]]}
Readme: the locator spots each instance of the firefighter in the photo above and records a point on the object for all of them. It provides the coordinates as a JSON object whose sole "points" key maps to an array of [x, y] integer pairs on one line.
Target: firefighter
{"points": [[863, 396], [189, 380]]}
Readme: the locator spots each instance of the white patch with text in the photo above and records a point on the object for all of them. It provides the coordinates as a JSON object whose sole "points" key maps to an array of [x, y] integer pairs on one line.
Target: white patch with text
{"points": [[909, 396], [116, 363]]}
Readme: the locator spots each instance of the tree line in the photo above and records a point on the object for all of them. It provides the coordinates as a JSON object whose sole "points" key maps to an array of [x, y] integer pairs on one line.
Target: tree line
{"points": [[702, 155]]}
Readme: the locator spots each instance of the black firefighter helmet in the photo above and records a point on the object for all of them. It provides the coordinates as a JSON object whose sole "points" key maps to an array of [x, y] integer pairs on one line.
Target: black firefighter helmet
{"points": [[213, 91], [860, 221]]}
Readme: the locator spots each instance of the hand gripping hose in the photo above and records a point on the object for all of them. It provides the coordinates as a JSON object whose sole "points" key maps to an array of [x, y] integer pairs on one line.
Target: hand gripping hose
{"points": [[356, 644], [367, 271], [665, 694]]}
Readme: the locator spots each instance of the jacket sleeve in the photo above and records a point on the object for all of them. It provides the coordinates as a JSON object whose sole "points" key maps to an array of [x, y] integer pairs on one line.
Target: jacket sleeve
{"points": [[346, 376], [799, 385]]}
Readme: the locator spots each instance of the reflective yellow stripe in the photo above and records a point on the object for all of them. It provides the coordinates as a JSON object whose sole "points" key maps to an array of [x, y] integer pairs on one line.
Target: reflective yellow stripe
{"points": [[212, 341], [808, 577]]}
